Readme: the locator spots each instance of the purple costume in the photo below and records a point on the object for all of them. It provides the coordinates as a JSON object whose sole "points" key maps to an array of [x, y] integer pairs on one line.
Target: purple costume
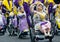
{"points": [[16, 3], [42, 1], [23, 24], [50, 8], [28, 12], [4, 20]]}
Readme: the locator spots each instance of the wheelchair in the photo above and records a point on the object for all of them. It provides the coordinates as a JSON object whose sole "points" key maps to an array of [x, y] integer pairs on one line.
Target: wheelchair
{"points": [[37, 35]]}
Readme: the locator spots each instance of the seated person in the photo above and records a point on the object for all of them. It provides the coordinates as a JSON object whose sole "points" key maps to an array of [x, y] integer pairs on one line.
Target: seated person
{"points": [[43, 25]]}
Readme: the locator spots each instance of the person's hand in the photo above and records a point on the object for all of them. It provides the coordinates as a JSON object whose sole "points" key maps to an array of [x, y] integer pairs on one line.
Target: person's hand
{"points": [[35, 12], [58, 4]]}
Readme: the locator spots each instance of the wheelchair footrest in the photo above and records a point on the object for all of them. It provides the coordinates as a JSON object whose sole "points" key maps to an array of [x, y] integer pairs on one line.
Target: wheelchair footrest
{"points": [[47, 37], [40, 37]]}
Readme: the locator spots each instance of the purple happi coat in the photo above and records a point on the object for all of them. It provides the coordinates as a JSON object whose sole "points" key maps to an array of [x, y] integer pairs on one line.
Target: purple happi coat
{"points": [[4, 20], [16, 3], [28, 12], [42, 1], [50, 8], [23, 24]]}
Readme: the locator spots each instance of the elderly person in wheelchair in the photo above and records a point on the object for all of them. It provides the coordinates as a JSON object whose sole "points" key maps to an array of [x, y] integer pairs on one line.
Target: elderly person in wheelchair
{"points": [[40, 20]]}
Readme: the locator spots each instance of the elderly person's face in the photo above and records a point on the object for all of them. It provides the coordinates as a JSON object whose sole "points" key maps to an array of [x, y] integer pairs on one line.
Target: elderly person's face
{"points": [[39, 7]]}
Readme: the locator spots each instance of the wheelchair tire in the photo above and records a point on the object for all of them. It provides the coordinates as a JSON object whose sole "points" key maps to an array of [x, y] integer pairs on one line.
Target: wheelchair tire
{"points": [[32, 35], [56, 33], [50, 40]]}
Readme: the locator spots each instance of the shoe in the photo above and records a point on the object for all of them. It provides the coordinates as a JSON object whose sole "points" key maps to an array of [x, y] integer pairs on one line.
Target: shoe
{"points": [[14, 34], [20, 37], [46, 35], [50, 35]]}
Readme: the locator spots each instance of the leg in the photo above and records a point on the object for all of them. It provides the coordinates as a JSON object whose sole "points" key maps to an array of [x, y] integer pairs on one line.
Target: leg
{"points": [[49, 28], [45, 33], [44, 30]]}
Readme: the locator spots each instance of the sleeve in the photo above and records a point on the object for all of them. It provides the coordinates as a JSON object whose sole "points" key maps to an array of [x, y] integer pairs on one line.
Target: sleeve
{"points": [[4, 20], [55, 6], [3, 9]]}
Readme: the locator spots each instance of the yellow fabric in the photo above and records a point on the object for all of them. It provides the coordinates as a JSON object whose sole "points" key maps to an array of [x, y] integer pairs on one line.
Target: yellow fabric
{"points": [[11, 14], [6, 15], [42, 16], [28, 1], [15, 10], [31, 1], [58, 23], [5, 3], [21, 2], [49, 1], [19, 12], [57, 15]]}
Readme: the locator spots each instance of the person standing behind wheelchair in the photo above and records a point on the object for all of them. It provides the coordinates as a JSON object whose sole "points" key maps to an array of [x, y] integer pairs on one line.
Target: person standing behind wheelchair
{"points": [[23, 25]]}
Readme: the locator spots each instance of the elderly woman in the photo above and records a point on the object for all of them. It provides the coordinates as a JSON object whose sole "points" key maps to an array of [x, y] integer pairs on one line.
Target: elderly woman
{"points": [[43, 25]]}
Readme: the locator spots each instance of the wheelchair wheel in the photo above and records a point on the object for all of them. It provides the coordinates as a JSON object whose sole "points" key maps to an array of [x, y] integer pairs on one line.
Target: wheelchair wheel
{"points": [[32, 35], [50, 40], [10, 30], [56, 31]]}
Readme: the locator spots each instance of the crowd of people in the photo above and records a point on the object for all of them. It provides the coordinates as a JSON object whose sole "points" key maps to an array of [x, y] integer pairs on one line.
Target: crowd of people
{"points": [[20, 15]]}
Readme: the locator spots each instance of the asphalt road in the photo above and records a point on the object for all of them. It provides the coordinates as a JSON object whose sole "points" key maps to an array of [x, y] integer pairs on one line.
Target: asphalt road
{"points": [[6, 38]]}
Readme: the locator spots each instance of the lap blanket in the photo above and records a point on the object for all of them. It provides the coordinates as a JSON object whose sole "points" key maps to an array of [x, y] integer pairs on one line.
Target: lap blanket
{"points": [[43, 25]]}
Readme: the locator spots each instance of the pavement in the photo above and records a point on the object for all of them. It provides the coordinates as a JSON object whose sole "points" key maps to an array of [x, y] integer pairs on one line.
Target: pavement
{"points": [[6, 38]]}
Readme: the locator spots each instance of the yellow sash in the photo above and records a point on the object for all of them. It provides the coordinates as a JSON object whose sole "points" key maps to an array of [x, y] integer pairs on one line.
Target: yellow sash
{"points": [[49, 1], [15, 10], [5, 3], [21, 2]]}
